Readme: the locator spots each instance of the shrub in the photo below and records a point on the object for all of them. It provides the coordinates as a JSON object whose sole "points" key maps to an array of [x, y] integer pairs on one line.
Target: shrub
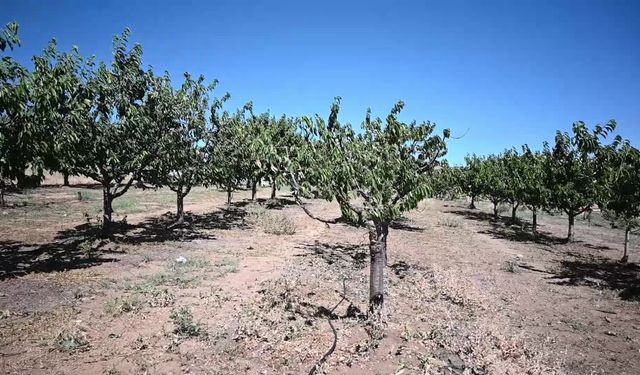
{"points": [[184, 324], [271, 222], [511, 265], [120, 305], [71, 339], [449, 222]]}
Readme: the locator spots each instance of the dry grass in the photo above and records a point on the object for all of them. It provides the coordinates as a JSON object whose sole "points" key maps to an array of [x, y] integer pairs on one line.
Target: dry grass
{"points": [[270, 221]]}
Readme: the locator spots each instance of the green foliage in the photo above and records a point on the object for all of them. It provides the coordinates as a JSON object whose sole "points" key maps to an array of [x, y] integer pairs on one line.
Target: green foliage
{"points": [[472, 176], [375, 175], [121, 305], [535, 192], [16, 130], [620, 184], [229, 154], [572, 167], [185, 327], [182, 156]]}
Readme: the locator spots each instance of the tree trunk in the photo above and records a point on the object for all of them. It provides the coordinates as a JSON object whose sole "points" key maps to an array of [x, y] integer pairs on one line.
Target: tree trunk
{"points": [[20, 180], [473, 205], [254, 188], [378, 258], [2, 202], [273, 189], [228, 196], [570, 234], [625, 256], [514, 208], [65, 178], [107, 211], [534, 223], [180, 207], [495, 211]]}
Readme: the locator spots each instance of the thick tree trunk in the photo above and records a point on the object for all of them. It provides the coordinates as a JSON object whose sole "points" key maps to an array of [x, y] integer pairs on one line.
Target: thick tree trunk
{"points": [[179, 207], [65, 178], [534, 223], [2, 202], [378, 258], [625, 256], [254, 188], [570, 232], [229, 196], [514, 209], [495, 211], [20, 180], [274, 187], [473, 201], [107, 211]]}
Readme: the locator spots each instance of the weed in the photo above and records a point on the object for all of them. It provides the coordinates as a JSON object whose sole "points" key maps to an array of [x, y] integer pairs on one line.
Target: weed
{"points": [[511, 265], [178, 280], [69, 340], [449, 222], [128, 205], [146, 258], [148, 286], [189, 264], [184, 324], [161, 298], [120, 305], [144, 287], [279, 224], [227, 265], [269, 221], [88, 247]]}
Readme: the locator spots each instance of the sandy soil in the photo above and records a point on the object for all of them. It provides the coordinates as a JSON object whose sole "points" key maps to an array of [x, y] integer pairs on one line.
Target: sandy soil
{"points": [[465, 295]]}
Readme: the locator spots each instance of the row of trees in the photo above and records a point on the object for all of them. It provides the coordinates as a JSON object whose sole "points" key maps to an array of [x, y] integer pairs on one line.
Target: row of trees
{"points": [[121, 125], [570, 176]]}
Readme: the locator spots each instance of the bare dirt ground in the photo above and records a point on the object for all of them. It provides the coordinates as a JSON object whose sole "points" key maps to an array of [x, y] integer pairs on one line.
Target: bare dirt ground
{"points": [[236, 292]]}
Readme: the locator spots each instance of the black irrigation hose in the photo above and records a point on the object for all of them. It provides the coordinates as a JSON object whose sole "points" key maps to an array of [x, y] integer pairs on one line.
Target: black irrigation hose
{"points": [[333, 329]]}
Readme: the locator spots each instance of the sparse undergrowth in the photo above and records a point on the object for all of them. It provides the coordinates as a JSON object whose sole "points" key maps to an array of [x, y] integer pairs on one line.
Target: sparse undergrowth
{"points": [[449, 222], [185, 327], [270, 221], [71, 339], [124, 304]]}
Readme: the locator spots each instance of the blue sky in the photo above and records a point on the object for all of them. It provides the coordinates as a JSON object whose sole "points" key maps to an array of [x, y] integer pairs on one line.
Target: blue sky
{"points": [[509, 72]]}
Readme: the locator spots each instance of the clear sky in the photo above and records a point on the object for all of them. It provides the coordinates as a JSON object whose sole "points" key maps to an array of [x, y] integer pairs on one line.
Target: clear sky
{"points": [[511, 72]]}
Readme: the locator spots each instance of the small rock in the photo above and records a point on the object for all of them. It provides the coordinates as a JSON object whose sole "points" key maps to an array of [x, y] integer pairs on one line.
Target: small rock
{"points": [[181, 259], [610, 333], [455, 361], [607, 319]]}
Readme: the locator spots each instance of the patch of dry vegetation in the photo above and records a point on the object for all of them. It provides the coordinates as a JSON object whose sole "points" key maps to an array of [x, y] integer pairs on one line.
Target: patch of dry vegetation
{"points": [[269, 221]]}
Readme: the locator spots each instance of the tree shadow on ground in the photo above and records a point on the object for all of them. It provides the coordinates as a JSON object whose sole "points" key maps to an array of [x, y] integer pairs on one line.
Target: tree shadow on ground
{"points": [[599, 247], [20, 259], [277, 203], [505, 228], [83, 247], [332, 253], [92, 186], [600, 273], [164, 228], [405, 224]]}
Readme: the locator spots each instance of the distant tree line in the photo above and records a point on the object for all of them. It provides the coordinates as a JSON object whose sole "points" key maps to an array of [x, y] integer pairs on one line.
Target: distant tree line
{"points": [[572, 175]]}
